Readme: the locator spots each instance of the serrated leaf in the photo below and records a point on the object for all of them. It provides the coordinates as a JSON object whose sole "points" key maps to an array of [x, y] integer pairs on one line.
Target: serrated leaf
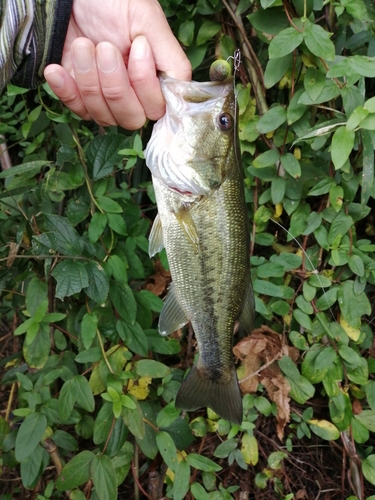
{"points": [[29, 435], [102, 154], [67, 239], [75, 472], [98, 287], [103, 476], [71, 277]]}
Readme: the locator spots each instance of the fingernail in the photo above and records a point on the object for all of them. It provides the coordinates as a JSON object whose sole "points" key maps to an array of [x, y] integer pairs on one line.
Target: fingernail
{"points": [[83, 57], [107, 57], [55, 80], [139, 49]]}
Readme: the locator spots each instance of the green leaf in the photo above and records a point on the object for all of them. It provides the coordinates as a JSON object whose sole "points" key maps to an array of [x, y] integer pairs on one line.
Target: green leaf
{"points": [[82, 393], [66, 400], [186, 32], [356, 265], [291, 165], [226, 447], [123, 300], [207, 31], [133, 336], [103, 476], [75, 472], [318, 41], [367, 418], [285, 42], [36, 348], [29, 435], [67, 239], [314, 82], [133, 419], [266, 159], [202, 463], [368, 170], [88, 329], [353, 306], [276, 69], [36, 293], [103, 423], [31, 467], [71, 277], [181, 481], [167, 449], [109, 205], [271, 120], [117, 223], [151, 368], [341, 147], [199, 492], [32, 168], [267, 288], [98, 282], [368, 468], [324, 429], [102, 153], [97, 225], [277, 190], [295, 110]]}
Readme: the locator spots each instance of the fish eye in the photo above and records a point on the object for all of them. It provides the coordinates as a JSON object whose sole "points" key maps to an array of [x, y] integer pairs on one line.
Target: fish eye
{"points": [[225, 121]]}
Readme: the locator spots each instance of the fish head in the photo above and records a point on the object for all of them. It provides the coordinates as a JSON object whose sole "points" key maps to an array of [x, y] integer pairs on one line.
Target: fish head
{"points": [[193, 146]]}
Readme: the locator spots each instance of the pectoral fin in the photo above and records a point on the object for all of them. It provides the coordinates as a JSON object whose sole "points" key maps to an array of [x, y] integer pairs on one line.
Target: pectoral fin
{"points": [[155, 244], [248, 310], [188, 226], [172, 316]]}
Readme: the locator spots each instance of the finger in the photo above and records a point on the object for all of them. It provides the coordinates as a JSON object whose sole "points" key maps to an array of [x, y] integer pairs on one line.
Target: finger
{"points": [[88, 81], [65, 87], [142, 75], [167, 52], [117, 91]]}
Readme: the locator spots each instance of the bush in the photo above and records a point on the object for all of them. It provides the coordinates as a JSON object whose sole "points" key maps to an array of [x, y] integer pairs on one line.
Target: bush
{"points": [[88, 383]]}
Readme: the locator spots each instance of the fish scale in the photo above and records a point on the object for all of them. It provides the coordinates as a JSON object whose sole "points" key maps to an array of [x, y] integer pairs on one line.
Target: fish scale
{"points": [[202, 223]]}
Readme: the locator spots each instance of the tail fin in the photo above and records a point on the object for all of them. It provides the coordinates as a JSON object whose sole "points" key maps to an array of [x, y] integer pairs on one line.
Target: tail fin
{"points": [[198, 391]]}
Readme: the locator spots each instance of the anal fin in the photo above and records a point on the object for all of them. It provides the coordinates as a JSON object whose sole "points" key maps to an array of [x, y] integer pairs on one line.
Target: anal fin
{"points": [[172, 316]]}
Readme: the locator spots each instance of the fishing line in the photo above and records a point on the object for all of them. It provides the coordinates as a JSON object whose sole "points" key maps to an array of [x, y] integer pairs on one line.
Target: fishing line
{"points": [[237, 60], [315, 271]]}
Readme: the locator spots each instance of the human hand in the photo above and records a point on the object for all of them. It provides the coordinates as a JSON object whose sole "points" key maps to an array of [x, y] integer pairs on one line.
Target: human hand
{"points": [[111, 54]]}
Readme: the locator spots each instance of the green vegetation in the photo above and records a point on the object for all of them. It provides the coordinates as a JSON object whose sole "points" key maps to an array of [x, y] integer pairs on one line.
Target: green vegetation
{"points": [[88, 384]]}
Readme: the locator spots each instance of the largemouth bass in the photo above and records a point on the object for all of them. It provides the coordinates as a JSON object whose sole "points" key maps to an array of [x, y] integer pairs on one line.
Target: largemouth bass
{"points": [[202, 223]]}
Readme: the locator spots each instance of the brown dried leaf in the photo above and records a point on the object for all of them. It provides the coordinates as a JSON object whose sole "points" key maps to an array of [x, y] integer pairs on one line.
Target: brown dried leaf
{"points": [[13, 250], [278, 389], [158, 282]]}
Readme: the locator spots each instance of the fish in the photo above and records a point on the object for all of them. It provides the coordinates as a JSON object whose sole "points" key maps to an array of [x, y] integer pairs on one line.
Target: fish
{"points": [[194, 158]]}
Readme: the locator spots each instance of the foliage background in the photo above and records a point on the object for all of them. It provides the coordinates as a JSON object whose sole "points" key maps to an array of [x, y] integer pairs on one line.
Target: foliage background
{"points": [[88, 385]]}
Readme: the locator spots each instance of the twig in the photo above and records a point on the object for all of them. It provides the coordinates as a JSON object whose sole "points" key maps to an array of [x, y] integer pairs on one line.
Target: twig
{"points": [[250, 57]]}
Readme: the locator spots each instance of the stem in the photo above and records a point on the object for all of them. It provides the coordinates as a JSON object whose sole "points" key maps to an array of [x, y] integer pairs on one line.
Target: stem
{"points": [[251, 60], [10, 401], [103, 351]]}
